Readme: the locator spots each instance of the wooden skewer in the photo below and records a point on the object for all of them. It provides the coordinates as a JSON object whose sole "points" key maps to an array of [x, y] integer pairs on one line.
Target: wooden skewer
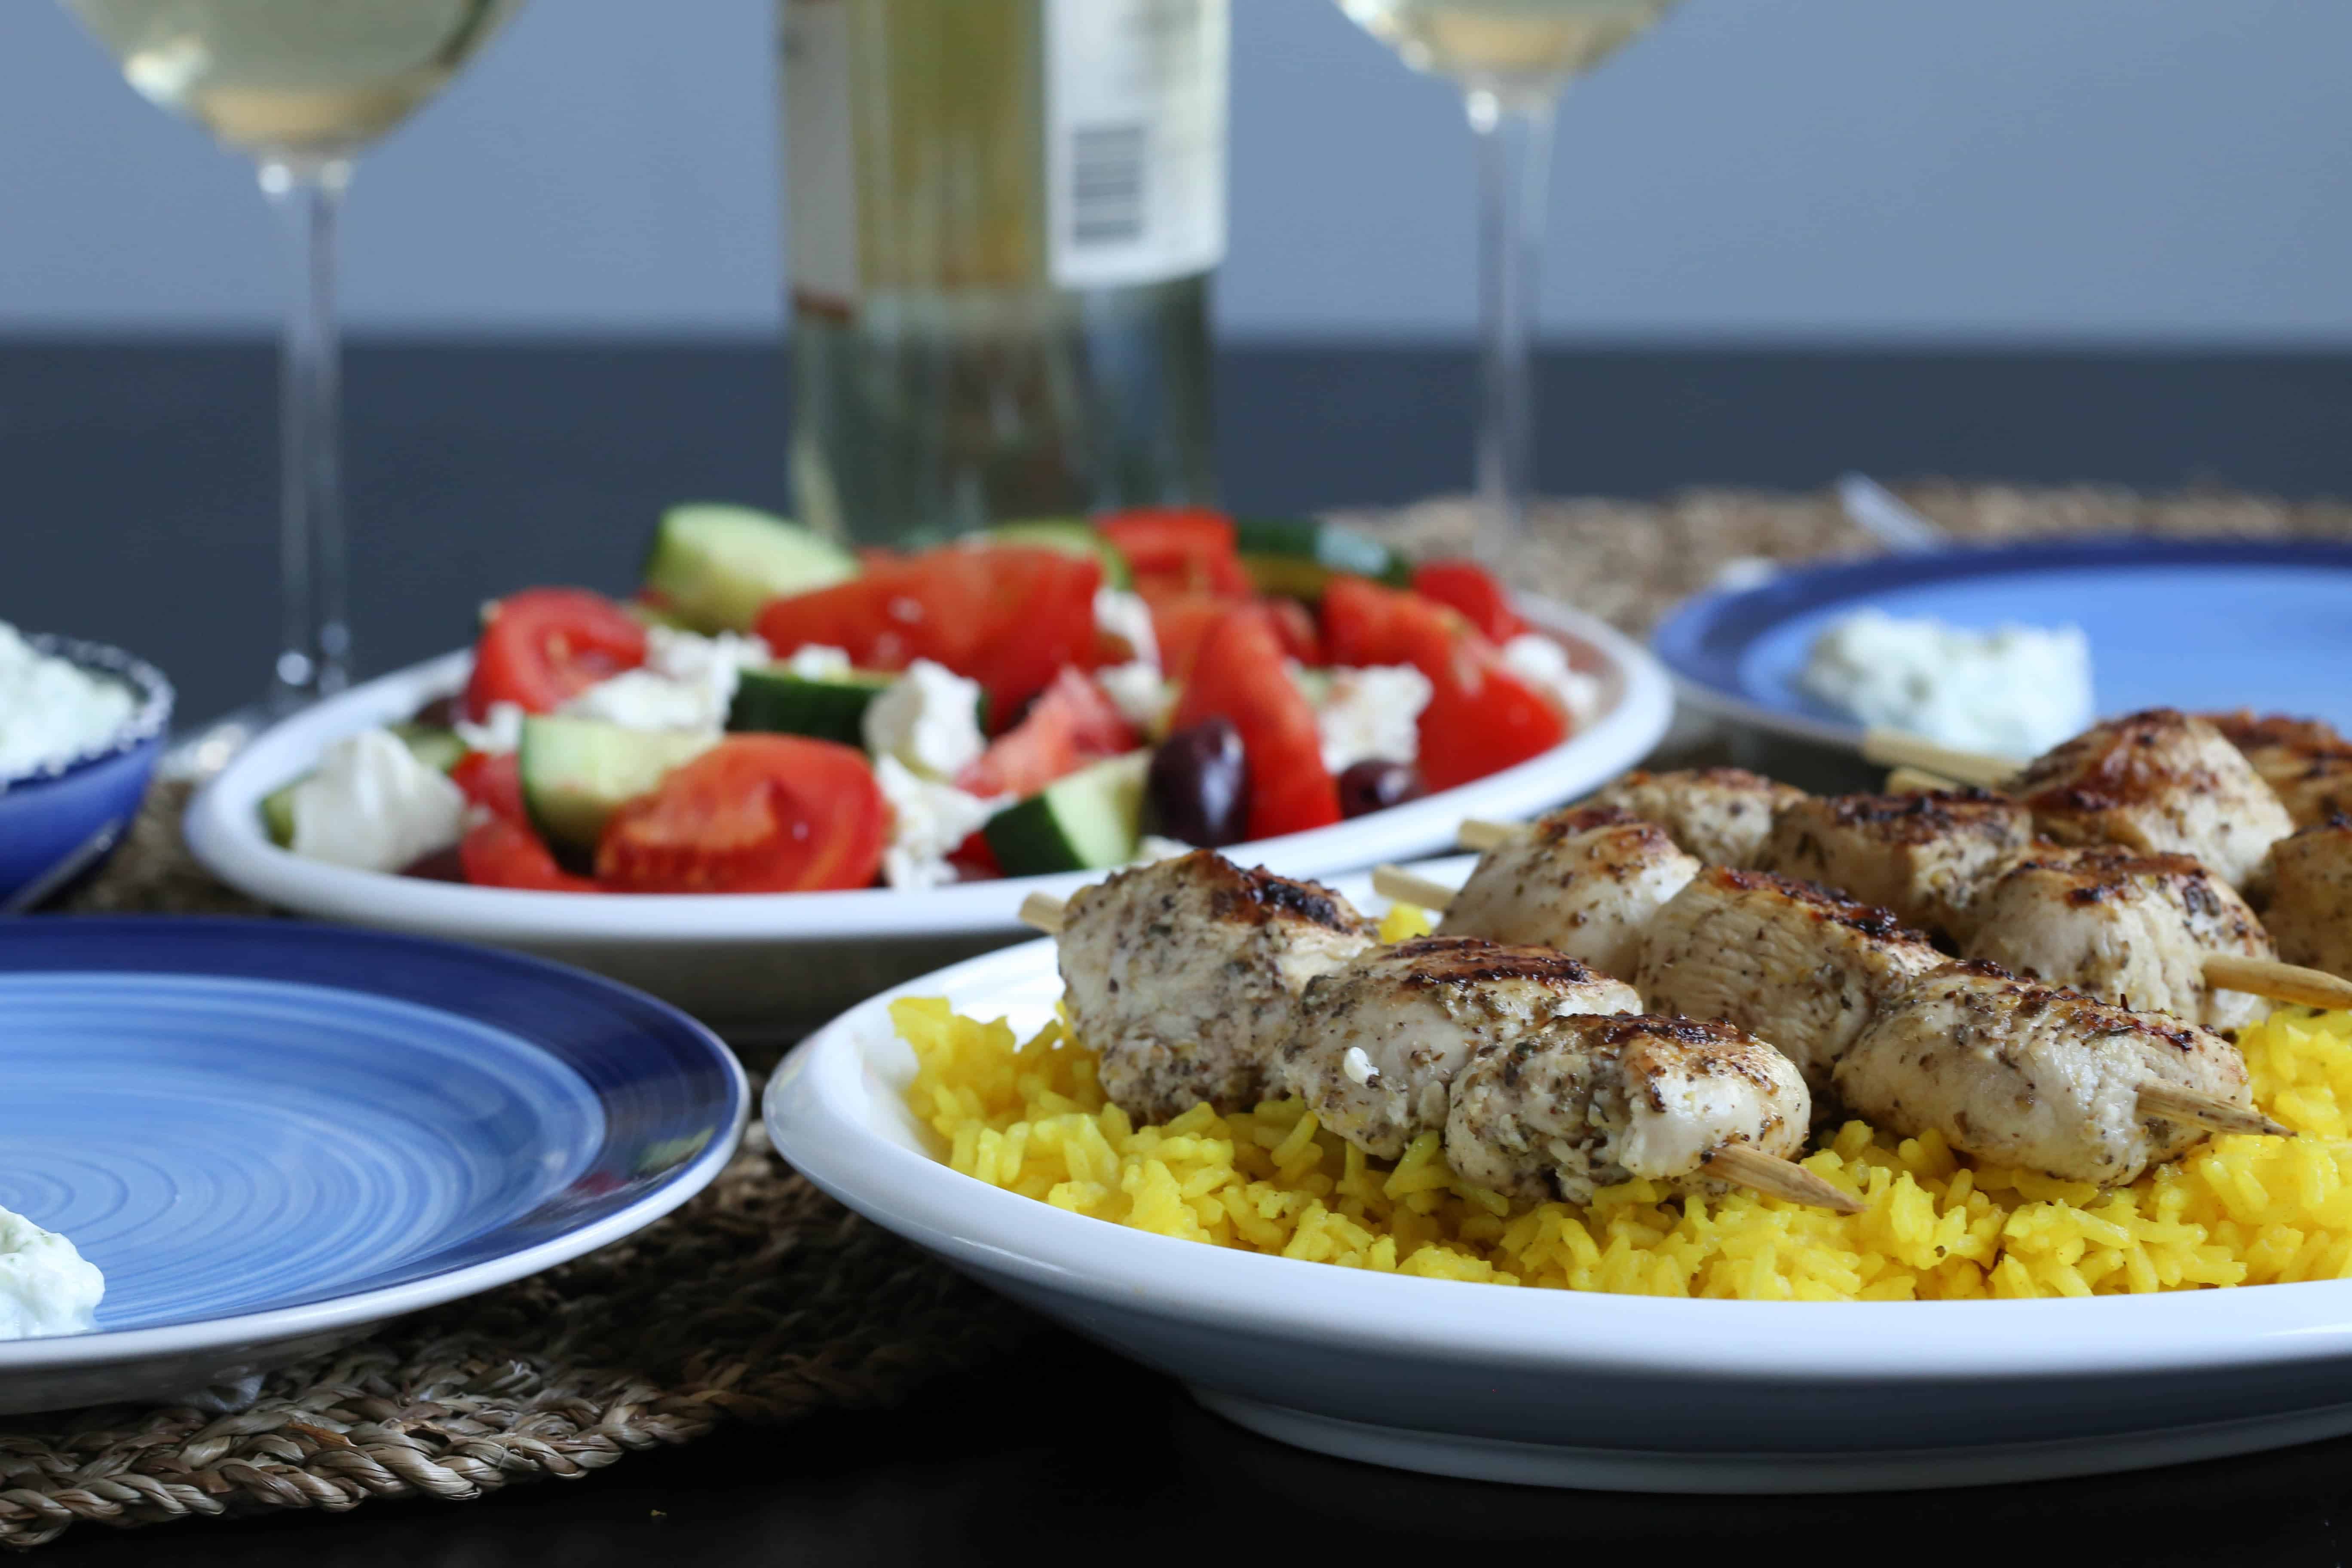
{"points": [[2170, 1102], [1744, 1165], [1401, 886], [1919, 781], [2279, 982], [1043, 911], [1484, 836], [1895, 748]]}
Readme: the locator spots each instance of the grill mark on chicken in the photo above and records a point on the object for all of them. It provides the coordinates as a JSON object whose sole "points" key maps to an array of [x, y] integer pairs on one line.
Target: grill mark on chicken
{"points": [[1585, 880], [2306, 761], [1924, 856], [1462, 962], [1258, 894]]}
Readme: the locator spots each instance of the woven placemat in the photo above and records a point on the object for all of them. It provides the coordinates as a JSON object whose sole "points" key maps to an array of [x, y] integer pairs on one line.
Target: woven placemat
{"points": [[761, 1301]]}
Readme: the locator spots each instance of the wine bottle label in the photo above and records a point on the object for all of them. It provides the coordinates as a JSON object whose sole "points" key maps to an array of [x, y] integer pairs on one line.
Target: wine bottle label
{"points": [[820, 248], [1135, 139]]}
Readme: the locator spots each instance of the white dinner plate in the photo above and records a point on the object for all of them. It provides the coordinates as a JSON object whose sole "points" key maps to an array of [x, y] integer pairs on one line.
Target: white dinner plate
{"points": [[1563, 1388], [772, 965]]}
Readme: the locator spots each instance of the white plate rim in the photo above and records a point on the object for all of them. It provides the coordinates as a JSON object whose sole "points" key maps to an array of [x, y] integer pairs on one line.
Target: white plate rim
{"points": [[223, 831], [817, 1110]]}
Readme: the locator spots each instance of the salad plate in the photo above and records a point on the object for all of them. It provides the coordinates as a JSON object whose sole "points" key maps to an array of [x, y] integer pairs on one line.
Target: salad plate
{"points": [[271, 1136], [772, 965], [2205, 625], [1567, 1388]]}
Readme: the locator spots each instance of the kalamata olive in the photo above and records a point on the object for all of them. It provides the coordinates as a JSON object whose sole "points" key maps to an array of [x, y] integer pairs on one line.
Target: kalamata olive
{"points": [[1375, 785], [441, 713], [1198, 788]]}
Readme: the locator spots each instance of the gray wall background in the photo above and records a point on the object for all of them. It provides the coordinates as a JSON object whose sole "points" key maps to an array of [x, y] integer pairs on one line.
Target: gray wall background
{"points": [[2173, 171]]}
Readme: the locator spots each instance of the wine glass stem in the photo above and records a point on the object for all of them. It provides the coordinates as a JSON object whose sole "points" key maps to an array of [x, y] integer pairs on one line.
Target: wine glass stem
{"points": [[1513, 137], [314, 643]]}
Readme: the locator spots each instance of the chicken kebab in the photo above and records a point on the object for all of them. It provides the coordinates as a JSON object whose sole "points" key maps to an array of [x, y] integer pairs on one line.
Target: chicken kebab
{"points": [[1198, 981], [1828, 980]]}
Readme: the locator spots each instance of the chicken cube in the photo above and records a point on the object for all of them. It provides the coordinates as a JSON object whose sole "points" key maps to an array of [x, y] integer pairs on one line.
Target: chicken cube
{"points": [[2160, 781], [2130, 929], [1925, 857], [1584, 880], [2304, 760], [1785, 961], [2310, 897], [2016, 1073], [1721, 814], [1588, 1102], [1184, 976], [1378, 1042]]}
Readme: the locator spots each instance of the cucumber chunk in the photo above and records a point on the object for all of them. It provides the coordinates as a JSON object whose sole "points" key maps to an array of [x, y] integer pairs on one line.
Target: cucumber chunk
{"points": [[1296, 556], [1070, 537], [776, 700], [428, 744], [577, 772], [1089, 821], [713, 565]]}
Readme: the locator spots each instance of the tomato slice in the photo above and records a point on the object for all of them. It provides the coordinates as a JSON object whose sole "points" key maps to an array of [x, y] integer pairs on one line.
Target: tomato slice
{"points": [[503, 854], [755, 814], [544, 645], [1071, 725], [493, 781], [1470, 588], [1178, 549], [1481, 717], [1179, 622], [1008, 617], [1239, 676], [1295, 624]]}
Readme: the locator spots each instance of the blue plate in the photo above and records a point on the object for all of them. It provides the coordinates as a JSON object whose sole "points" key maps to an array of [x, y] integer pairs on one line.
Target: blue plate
{"points": [[270, 1136], [2202, 624]]}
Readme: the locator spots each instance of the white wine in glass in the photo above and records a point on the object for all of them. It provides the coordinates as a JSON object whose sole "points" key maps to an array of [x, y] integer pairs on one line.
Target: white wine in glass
{"points": [[1510, 58], [302, 86]]}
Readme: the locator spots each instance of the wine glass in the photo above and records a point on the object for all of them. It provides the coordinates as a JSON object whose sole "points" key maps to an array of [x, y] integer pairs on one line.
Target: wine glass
{"points": [[302, 86], [1511, 58]]}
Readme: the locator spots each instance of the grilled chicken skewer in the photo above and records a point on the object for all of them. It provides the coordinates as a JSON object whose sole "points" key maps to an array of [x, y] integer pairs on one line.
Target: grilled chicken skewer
{"points": [[2160, 781], [1756, 974], [1375, 1043], [2023, 1074], [2305, 759], [2310, 897], [1721, 814]]}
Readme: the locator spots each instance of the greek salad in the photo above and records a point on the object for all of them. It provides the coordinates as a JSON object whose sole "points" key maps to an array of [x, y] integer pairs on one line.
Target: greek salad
{"points": [[773, 713]]}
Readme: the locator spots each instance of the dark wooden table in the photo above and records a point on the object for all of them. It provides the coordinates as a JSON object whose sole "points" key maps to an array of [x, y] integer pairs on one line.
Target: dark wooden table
{"points": [[141, 481]]}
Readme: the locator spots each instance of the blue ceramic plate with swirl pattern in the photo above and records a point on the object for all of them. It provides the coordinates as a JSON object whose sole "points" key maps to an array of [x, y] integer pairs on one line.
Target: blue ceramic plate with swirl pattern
{"points": [[271, 1136]]}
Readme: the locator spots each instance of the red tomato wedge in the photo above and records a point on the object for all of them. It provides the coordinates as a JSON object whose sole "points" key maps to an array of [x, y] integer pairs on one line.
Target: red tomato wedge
{"points": [[1481, 718], [1071, 725], [544, 645], [503, 854], [493, 781], [1007, 617], [1295, 624], [755, 814], [1178, 549], [1179, 622], [1239, 676], [1470, 588]]}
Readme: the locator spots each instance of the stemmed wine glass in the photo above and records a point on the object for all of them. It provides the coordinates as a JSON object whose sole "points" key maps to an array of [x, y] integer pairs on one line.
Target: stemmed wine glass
{"points": [[1511, 58], [302, 86]]}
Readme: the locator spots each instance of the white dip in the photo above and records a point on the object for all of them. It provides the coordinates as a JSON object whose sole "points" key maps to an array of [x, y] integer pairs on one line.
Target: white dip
{"points": [[2015, 692], [51, 710], [45, 1287]]}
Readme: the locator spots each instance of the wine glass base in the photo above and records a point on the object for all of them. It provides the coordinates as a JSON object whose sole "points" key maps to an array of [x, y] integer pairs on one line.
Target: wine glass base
{"points": [[201, 753]]}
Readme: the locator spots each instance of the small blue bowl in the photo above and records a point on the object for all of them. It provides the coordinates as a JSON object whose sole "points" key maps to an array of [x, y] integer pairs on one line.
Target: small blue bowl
{"points": [[49, 819]]}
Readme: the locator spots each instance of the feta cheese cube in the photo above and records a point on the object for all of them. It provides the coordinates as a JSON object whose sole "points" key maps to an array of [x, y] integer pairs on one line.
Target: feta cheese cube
{"points": [[687, 683], [372, 805], [1372, 714], [499, 733], [1127, 618], [1141, 696], [818, 662], [1544, 663], [928, 820], [928, 719]]}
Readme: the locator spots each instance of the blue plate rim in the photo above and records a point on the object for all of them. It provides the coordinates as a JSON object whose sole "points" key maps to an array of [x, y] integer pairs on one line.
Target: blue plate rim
{"points": [[1699, 639], [363, 1308]]}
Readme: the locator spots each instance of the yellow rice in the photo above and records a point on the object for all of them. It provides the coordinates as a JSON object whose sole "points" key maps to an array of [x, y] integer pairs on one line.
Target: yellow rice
{"points": [[1030, 1117]]}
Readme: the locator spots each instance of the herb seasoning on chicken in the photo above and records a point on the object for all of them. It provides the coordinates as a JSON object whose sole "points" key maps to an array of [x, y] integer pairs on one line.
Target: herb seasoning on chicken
{"points": [[1377, 1043], [1925, 857], [1588, 1102], [1721, 814], [1585, 880], [2023, 1074], [2304, 760], [1184, 976]]}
